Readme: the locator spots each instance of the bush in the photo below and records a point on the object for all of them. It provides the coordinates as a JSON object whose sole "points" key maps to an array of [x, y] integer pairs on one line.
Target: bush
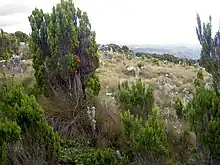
{"points": [[156, 61], [138, 98], [93, 85], [22, 121], [199, 79], [203, 113], [91, 156], [140, 64], [179, 107], [144, 138]]}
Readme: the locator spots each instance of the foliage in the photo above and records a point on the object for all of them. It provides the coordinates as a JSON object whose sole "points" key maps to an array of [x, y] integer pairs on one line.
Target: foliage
{"points": [[115, 48], [88, 156], [179, 107], [8, 45], [200, 74], [21, 36], [138, 98], [156, 61], [125, 49], [65, 31], [140, 64], [203, 115], [199, 79], [22, 120], [142, 137], [93, 85], [210, 52]]}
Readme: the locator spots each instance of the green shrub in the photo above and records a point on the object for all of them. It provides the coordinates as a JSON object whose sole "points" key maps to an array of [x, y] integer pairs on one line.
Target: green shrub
{"points": [[203, 113], [179, 107], [200, 74], [140, 64], [22, 120], [199, 79], [144, 138], [93, 85], [91, 156], [156, 61], [138, 98]]}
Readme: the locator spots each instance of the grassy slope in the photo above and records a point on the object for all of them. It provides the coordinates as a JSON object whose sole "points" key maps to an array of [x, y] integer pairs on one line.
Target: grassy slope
{"points": [[114, 71]]}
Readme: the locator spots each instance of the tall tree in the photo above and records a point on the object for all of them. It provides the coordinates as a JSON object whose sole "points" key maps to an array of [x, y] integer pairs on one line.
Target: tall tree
{"points": [[210, 53]]}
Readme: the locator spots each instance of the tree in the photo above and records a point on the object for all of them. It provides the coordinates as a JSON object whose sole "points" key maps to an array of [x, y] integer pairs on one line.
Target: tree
{"points": [[64, 48], [125, 48], [21, 36], [8, 45], [210, 53], [115, 48]]}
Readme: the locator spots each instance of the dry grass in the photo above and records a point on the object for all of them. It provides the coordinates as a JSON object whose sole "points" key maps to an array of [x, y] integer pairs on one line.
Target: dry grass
{"points": [[115, 71]]}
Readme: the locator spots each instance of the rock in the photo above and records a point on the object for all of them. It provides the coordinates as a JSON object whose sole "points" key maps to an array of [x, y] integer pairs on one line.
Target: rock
{"points": [[136, 71], [15, 64], [108, 94], [196, 65]]}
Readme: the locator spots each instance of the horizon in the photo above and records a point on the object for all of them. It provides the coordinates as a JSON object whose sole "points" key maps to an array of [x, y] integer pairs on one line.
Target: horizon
{"points": [[125, 22]]}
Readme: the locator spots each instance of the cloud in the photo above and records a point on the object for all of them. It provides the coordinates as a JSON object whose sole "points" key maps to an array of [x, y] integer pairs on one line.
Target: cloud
{"points": [[9, 9]]}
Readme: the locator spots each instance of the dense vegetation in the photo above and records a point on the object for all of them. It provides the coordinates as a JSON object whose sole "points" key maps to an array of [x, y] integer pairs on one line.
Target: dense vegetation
{"points": [[8, 45], [65, 59]]}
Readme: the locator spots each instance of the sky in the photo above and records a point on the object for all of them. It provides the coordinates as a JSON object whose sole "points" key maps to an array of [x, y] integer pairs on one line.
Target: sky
{"points": [[127, 22]]}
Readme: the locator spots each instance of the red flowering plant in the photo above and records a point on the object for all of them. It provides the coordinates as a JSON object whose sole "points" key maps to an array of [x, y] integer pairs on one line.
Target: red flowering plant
{"points": [[74, 60]]}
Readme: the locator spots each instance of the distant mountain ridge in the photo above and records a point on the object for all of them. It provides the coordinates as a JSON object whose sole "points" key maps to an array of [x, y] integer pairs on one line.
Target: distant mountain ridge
{"points": [[187, 51]]}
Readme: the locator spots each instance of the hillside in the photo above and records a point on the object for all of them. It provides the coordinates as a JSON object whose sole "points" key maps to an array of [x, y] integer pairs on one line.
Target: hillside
{"points": [[66, 100], [169, 80], [178, 51]]}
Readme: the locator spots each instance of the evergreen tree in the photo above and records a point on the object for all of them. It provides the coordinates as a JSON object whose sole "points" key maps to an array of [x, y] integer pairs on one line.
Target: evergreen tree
{"points": [[210, 53], [64, 48]]}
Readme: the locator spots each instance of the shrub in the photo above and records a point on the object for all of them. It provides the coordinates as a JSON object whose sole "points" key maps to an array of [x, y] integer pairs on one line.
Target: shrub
{"points": [[144, 138], [200, 74], [138, 98], [91, 156], [179, 107], [140, 64], [199, 79], [8, 45], [203, 115], [93, 85], [22, 120], [156, 61], [78, 152]]}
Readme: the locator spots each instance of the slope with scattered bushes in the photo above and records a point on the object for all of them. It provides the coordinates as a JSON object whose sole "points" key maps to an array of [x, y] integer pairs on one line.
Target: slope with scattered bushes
{"points": [[137, 110]]}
